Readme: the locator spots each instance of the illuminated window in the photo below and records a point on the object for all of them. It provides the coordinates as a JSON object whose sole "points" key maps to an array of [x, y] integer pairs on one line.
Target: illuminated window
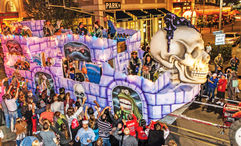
{"points": [[10, 7]]}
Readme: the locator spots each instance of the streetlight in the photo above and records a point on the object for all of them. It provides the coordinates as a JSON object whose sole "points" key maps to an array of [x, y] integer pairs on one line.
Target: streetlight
{"points": [[144, 31], [220, 15]]}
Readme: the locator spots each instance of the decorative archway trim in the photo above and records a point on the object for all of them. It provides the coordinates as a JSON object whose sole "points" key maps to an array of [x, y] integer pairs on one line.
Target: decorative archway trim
{"points": [[115, 83]]}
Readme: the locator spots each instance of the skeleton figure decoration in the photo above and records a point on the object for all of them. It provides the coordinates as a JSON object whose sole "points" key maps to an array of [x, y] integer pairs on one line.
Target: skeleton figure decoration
{"points": [[185, 53], [79, 91]]}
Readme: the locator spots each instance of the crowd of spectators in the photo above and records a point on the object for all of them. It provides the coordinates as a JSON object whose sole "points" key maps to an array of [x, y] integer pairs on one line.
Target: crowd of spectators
{"points": [[222, 80], [35, 118]]}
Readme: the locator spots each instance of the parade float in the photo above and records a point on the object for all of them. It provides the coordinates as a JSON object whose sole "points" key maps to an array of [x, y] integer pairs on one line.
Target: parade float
{"points": [[101, 64]]}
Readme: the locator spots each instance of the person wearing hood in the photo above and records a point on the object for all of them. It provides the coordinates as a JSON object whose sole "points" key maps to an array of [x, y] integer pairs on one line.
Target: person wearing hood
{"points": [[156, 136]]}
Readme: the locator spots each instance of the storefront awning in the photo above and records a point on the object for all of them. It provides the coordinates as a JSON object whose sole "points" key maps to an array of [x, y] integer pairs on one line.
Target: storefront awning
{"points": [[164, 10], [139, 14], [154, 12], [120, 16]]}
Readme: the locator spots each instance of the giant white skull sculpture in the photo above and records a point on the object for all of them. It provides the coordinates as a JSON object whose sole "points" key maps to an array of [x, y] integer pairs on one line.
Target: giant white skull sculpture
{"points": [[186, 54], [79, 91]]}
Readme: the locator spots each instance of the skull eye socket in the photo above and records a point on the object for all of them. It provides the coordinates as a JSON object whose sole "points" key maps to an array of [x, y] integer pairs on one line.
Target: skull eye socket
{"points": [[195, 52], [77, 93], [81, 94]]}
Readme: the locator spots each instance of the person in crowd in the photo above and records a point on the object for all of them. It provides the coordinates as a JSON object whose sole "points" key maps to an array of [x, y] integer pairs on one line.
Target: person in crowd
{"points": [[232, 85], [85, 135], [5, 110], [20, 130], [222, 83], [81, 30], [74, 113], [48, 29], [234, 62], [135, 64], [111, 28], [104, 127], [68, 100], [57, 105], [49, 138], [29, 115], [208, 48], [48, 115], [97, 30], [212, 84], [148, 68], [141, 133], [61, 128], [127, 139], [5, 29], [209, 75], [92, 120], [218, 61], [156, 136], [131, 123], [11, 105], [30, 141]]}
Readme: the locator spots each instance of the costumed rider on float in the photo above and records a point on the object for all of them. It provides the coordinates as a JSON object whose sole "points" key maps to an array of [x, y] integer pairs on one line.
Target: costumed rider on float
{"points": [[135, 64]]}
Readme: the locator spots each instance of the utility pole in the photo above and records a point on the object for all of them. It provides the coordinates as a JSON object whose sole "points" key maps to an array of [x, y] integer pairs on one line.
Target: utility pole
{"points": [[220, 14], [202, 25]]}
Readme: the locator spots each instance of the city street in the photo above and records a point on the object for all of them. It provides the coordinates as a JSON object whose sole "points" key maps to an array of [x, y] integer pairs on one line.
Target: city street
{"points": [[112, 73], [190, 133]]}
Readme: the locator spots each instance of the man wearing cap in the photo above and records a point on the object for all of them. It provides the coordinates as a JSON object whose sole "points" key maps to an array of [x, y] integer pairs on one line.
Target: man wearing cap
{"points": [[85, 135], [212, 84]]}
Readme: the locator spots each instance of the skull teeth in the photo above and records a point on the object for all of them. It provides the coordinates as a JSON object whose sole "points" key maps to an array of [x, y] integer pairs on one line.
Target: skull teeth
{"points": [[198, 74]]}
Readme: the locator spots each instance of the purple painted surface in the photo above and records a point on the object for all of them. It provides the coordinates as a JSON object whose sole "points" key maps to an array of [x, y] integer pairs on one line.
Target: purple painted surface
{"points": [[158, 99]]}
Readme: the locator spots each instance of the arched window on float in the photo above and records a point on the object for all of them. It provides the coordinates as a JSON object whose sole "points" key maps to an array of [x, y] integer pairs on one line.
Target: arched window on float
{"points": [[10, 7]]}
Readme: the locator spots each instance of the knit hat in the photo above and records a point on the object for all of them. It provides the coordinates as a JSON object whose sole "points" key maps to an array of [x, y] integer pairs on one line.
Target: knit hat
{"points": [[85, 122]]}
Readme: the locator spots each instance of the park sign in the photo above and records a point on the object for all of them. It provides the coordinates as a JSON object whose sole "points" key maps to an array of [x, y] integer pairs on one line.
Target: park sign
{"points": [[112, 5], [219, 37]]}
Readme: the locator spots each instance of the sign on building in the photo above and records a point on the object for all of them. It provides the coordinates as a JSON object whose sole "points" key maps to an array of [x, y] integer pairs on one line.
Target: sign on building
{"points": [[112, 5], [220, 39]]}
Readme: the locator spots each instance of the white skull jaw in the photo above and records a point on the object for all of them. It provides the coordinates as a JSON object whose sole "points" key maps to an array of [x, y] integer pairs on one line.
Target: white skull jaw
{"points": [[79, 91], [186, 54]]}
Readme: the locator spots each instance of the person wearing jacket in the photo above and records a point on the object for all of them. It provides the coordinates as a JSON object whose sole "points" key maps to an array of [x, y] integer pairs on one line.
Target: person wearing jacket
{"points": [[222, 83], [141, 133], [126, 139], [156, 136], [131, 124], [212, 84]]}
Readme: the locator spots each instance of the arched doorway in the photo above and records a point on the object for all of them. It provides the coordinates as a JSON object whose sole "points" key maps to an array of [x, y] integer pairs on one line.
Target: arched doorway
{"points": [[128, 99], [44, 82], [10, 7]]}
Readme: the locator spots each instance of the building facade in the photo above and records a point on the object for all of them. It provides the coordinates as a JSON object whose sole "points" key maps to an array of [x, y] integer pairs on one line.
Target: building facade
{"points": [[144, 15], [11, 10]]}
